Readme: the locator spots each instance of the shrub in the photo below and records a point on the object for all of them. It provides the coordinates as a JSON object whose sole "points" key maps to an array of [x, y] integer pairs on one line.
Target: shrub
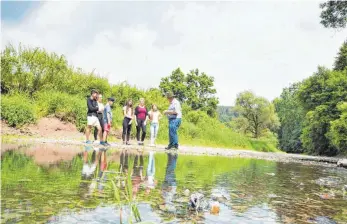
{"points": [[17, 110], [66, 107]]}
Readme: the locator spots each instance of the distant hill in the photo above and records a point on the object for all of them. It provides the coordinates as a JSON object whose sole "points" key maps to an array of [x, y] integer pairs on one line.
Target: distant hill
{"points": [[226, 113]]}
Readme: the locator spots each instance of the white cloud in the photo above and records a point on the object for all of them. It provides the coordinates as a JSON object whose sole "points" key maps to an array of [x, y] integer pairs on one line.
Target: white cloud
{"points": [[262, 46]]}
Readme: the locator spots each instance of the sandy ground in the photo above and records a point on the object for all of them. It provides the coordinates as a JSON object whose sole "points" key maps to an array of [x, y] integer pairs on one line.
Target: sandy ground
{"points": [[48, 127]]}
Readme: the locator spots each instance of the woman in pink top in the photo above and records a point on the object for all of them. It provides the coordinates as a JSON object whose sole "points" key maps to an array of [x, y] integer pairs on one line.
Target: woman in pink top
{"points": [[141, 116]]}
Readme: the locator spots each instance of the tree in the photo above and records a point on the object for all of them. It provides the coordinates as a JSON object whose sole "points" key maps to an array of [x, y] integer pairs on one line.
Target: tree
{"points": [[195, 89], [341, 59], [334, 14], [338, 130], [226, 114], [257, 114], [319, 95], [291, 116]]}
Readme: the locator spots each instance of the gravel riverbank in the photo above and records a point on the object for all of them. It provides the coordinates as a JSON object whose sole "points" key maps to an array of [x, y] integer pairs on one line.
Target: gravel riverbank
{"points": [[191, 150]]}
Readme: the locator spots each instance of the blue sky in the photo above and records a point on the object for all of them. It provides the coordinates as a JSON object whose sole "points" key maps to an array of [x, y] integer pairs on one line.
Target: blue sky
{"points": [[261, 46], [16, 10]]}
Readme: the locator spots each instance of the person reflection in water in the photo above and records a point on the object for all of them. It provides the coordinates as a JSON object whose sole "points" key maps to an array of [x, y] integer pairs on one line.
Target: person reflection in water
{"points": [[124, 165], [169, 185], [151, 182], [102, 168], [88, 169], [137, 173], [89, 166]]}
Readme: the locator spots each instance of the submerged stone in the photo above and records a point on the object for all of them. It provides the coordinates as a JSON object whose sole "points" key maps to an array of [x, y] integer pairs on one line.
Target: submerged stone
{"points": [[328, 181], [322, 220]]}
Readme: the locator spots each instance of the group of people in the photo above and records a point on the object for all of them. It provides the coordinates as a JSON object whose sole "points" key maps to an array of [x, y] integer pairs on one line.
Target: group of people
{"points": [[100, 117]]}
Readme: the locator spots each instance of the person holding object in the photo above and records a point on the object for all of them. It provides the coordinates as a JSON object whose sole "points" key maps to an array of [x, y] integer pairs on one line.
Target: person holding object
{"points": [[141, 117], [92, 119], [108, 118], [100, 115], [154, 116], [174, 114], [128, 113]]}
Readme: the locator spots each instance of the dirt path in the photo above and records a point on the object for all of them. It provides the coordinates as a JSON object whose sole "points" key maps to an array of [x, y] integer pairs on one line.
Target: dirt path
{"points": [[281, 157]]}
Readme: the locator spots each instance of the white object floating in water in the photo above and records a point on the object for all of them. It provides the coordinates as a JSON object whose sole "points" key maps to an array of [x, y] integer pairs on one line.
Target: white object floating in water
{"points": [[186, 192]]}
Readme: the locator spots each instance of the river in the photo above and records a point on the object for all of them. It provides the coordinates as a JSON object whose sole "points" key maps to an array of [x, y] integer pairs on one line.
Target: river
{"points": [[77, 188]]}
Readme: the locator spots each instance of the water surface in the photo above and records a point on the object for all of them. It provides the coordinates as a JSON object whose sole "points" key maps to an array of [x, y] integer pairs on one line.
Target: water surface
{"points": [[52, 185]]}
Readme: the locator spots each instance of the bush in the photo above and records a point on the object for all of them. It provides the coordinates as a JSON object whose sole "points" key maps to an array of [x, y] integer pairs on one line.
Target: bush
{"points": [[17, 110], [70, 108]]}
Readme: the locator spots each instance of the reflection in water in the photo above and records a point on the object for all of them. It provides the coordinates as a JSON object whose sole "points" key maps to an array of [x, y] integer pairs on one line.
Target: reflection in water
{"points": [[151, 181], [169, 184], [137, 173], [102, 176], [249, 191], [124, 162]]}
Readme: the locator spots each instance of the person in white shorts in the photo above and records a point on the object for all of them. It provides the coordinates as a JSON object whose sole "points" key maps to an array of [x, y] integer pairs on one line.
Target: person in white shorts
{"points": [[92, 117]]}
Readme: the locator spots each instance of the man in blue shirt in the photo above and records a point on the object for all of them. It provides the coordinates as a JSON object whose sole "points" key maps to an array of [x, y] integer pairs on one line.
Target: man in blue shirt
{"points": [[174, 114], [108, 118]]}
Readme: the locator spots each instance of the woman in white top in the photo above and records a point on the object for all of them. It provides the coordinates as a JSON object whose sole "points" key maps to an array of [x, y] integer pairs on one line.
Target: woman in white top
{"points": [[154, 116], [128, 113]]}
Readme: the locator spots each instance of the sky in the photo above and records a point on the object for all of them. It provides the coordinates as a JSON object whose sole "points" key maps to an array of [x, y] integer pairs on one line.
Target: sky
{"points": [[262, 46]]}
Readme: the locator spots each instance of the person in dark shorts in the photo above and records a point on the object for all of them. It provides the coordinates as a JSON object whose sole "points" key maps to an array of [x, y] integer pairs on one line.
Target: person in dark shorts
{"points": [[128, 113], [100, 115], [141, 117]]}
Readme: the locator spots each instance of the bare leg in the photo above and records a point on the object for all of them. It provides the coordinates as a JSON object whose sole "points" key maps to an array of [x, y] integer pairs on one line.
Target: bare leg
{"points": [[105, 136], [88, 132], [100, 133]]}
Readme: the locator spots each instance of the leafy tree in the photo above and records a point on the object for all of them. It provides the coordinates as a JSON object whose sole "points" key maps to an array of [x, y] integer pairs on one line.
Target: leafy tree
{"points": [[319, 95], [257, 114], [338, 129], [334, 14], [226, 114], [195, 88], [291, 116], [341, 59]]}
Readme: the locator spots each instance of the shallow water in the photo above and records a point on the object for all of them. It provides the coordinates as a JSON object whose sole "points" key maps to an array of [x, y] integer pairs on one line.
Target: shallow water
{"points": [[43, 184]]}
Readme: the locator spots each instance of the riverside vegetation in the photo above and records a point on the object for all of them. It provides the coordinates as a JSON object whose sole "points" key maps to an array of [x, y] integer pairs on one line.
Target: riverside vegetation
{"points": [[36, 84], [309, 116]]}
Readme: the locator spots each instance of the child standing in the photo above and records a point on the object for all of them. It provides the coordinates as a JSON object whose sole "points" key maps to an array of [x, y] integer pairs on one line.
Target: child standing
{"points": [[154, 116]]}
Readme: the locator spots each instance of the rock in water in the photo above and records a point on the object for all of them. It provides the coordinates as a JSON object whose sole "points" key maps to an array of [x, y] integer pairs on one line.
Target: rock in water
{"points": [[342, 163], [186, 192], [322, 220], [329, 181], [195, 200]]}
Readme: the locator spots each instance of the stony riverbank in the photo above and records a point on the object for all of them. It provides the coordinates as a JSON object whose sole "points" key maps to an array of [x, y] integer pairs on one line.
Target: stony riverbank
{"points": [[280, 157]]}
